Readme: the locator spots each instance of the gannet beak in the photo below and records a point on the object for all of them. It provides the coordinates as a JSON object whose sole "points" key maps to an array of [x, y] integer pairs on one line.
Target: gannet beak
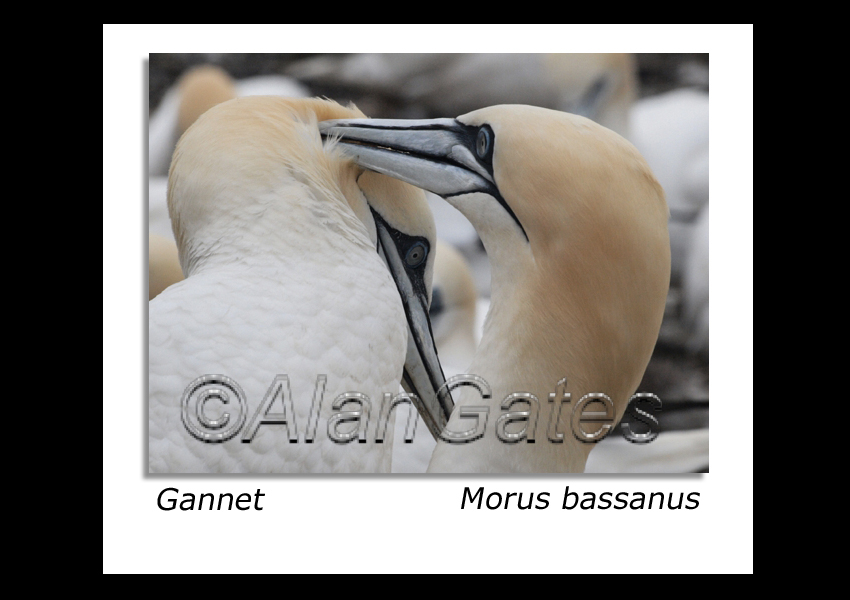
{"points": [[443, 156], [430, 154], [423, 376]]}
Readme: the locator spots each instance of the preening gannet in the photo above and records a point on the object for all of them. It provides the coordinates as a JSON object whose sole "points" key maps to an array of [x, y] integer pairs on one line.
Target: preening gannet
{"points": [[303, 274], [575, 227]]}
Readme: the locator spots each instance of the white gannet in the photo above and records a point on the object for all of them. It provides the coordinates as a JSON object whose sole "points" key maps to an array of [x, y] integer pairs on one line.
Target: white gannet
{"points": [[575, 227], [287, 304]]}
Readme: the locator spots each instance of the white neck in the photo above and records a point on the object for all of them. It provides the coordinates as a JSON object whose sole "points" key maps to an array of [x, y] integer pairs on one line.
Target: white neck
{"points": [[515, 355], [553, 316], [256, 228]]}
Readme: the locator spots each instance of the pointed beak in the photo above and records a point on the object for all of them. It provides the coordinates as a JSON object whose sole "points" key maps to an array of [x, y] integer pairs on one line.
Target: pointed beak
{"points": [[423, 375], [430, 154], [442, 156]]}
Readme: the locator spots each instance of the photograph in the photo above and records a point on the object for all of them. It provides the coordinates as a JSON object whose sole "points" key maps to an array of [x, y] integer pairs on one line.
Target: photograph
{"points": [[428, 263], [427, 298]]}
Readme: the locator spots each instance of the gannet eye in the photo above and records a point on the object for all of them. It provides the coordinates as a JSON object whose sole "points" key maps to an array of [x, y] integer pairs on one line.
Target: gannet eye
{"points": [[482, 145], [416, 254]]}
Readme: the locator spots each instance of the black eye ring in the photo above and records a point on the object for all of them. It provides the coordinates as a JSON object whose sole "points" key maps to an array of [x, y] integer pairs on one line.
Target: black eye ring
{"points": [[416, 254], [482, 144]]}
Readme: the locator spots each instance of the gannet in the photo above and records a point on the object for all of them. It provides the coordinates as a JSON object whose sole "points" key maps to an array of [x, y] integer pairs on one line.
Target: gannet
{"points": [[575, 226], [303, 274]]}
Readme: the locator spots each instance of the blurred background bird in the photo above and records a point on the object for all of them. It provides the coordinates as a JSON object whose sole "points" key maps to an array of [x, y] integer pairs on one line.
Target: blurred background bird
{"points": [[657, 101]]}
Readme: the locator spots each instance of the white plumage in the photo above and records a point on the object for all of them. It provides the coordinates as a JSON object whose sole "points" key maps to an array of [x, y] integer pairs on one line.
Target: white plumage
{"points": [[283, 278]]}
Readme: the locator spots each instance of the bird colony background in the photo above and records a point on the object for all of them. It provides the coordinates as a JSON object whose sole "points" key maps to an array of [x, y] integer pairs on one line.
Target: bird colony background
{"points": [[663, 110]]}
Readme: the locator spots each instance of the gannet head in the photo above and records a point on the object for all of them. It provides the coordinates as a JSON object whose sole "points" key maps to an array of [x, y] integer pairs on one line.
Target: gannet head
{"points": [[572, 218], [252, 178], [407, 240]]}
